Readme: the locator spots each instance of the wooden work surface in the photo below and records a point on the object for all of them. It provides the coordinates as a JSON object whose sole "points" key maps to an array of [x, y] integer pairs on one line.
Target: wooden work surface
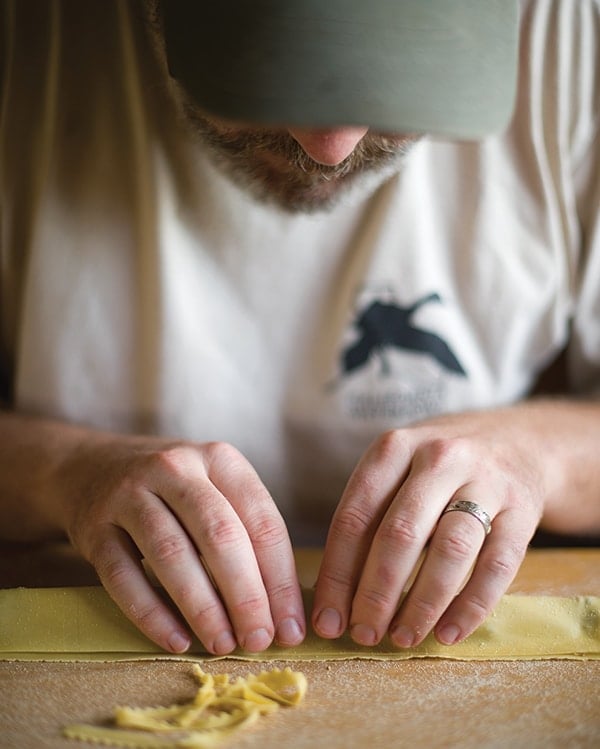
{"points": [[418, 703]]}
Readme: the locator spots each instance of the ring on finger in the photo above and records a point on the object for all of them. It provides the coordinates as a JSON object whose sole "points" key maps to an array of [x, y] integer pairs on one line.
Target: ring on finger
{"points": [[472, 508]]}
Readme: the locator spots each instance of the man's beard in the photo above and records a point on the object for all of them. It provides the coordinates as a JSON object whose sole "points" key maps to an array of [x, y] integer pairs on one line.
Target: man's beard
{"points": [[269, 163], [273, 167]]}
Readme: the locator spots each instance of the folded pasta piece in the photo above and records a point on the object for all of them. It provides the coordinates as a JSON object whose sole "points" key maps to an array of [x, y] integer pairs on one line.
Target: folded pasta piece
{"points": [[219, 708]]}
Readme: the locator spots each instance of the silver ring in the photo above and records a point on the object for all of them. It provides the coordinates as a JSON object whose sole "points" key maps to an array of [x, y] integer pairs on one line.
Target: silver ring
{"points": [[462, 505]]}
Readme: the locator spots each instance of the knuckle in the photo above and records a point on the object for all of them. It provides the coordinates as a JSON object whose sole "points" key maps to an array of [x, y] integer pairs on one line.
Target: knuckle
{"points": [[193, 497], [113, 571], [503, 563], [387, 575], [478, 606], [173, 461], [160, 546], [217, 533], [167, 548], [221, 455], [185, 596], [267, 532], [398, 531], [377, 602], [204, 618], [334, 581], [247, 609], [426, 608], [442, 453], [390, 444], [351, 522], [107, 559], [283, 591], [455, 546], [150, 520], [145, 616]]}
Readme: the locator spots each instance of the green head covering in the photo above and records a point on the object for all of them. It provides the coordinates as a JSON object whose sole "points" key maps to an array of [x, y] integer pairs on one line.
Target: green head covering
{"points": [[446, 67]]}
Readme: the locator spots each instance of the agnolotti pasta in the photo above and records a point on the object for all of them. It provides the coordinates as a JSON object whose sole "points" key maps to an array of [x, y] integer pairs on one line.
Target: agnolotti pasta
{"points": [[219, 708]]}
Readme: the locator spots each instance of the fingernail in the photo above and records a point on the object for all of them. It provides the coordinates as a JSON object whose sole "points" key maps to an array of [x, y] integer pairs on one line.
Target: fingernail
{"points": [[179, 642], [449, 634], [224, 643], [329, 623], [260, 639], [289, 632], [364, 635], [402, 636]]}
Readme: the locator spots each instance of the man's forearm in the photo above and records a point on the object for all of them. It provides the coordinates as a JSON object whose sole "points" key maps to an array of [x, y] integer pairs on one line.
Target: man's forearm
{"points": [[567, 432], [33, 456], [561, 439]]}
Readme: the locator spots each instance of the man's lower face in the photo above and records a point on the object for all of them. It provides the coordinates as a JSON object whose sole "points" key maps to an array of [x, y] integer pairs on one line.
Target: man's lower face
{"points": [[275, 169]]}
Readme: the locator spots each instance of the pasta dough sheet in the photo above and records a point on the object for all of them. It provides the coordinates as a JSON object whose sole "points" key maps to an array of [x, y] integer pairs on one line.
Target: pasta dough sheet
{"points": [[85, 624]]}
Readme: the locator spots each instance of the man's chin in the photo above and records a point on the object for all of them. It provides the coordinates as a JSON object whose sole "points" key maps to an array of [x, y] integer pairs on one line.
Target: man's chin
{"points": [[307, 193], [321, 196]]}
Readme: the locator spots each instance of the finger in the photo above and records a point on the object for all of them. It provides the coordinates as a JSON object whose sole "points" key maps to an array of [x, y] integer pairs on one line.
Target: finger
{"points": [[228, 554], [181, 479], [370, 491], [495, 569], [450, 556], [118, 565], [275, 557], [269, 540], [397, 546], [176, 563]]}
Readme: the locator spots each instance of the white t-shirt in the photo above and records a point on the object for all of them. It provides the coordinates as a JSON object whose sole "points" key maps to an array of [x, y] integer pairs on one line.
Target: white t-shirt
{"points": [[143, 291]]}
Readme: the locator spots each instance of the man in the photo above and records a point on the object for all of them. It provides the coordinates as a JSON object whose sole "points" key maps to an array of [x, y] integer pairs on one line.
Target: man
{"points": [[271, 262]]}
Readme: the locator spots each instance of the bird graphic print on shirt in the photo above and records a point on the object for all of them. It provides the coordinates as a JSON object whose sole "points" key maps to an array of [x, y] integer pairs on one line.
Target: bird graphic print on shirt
{"points": [[383, 326]]}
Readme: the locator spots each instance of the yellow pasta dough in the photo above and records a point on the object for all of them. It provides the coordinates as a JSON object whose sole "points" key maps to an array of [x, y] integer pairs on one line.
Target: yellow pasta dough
{"points": [[219, 708], [85, 624]]}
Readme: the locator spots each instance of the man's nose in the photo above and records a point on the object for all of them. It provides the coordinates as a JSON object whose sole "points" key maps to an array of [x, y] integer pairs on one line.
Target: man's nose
{"points": [[329, 147]]}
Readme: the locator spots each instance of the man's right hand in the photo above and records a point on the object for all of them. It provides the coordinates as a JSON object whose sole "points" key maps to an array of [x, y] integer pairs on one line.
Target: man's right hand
{"points": [[208, 529], [198, 515]]}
